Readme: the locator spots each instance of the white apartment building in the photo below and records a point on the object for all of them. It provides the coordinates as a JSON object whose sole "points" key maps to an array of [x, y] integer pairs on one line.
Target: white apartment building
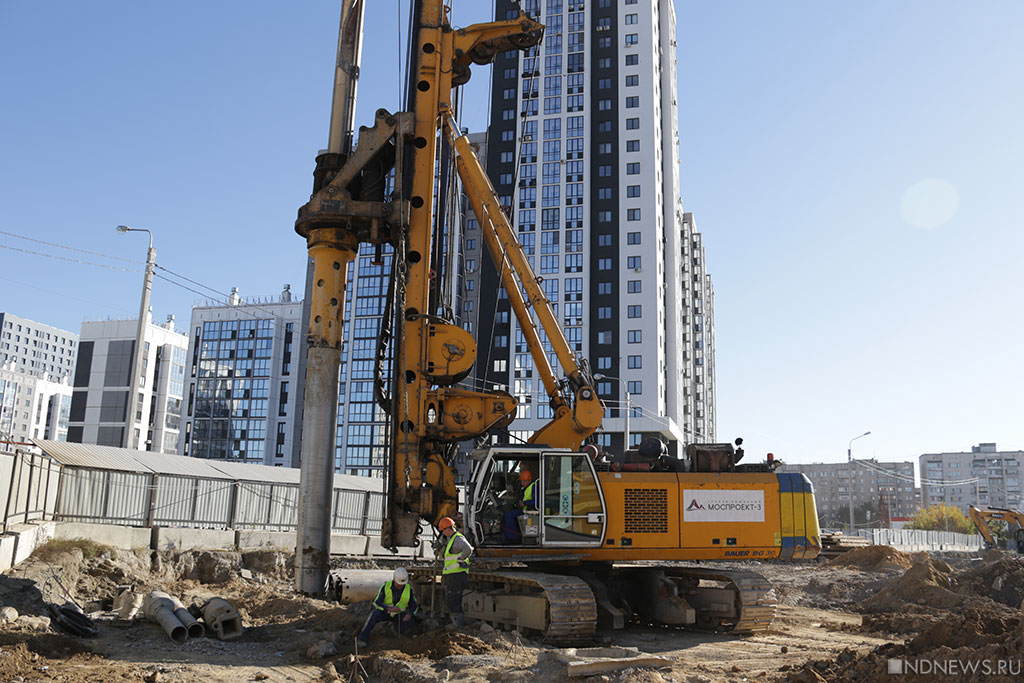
{"points": [[32, 348], [583, 150], [985, 476], [242, 381], [33, 407], [102, 410], [36, 365]]}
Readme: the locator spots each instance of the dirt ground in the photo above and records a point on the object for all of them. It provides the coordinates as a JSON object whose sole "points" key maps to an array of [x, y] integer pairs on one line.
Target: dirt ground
{"points": [[837, 620]]}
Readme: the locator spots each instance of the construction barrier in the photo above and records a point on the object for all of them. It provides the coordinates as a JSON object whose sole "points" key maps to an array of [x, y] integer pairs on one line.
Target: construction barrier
{"points": [[139, 499], [915, 540]]}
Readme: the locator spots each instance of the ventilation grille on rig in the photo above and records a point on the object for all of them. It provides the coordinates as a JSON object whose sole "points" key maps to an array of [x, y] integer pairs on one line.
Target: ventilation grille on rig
{"points": [[646, 511]]}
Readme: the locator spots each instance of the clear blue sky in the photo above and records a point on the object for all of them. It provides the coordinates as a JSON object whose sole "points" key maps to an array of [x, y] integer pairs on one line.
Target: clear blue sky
{"points": [[855, 169]]}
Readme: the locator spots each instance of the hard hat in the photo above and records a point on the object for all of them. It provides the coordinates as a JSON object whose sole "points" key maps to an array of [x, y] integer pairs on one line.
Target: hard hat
{"points": [[525, 476], [401, 576], [445, 522]]}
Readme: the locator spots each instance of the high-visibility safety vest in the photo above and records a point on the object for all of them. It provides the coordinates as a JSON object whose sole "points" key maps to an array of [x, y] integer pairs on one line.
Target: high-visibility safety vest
{"points": [[403, 600], [528, 494], [451, 560]]}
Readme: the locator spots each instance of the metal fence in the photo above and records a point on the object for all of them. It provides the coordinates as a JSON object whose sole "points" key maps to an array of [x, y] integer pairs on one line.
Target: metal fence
{"points": [[28, 487], [146, 500], [35, 487]]}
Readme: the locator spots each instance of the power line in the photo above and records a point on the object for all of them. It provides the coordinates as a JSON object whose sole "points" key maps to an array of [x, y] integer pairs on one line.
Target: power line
{"points": [[241, 307], [70, 260], [907, 478], [70, 248], [130, 270]]}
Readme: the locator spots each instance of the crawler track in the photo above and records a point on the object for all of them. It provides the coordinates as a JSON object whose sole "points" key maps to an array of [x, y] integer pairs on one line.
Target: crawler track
{"points": [[568, 617], [755, 599], [563, 608]]}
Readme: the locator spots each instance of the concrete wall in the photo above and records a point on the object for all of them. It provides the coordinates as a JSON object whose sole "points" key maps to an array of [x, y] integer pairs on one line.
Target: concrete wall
{"points": [[341, 544], [166, 538], [116, 536], [255, 540], [7, 542], [19, 542], [28, 537]]}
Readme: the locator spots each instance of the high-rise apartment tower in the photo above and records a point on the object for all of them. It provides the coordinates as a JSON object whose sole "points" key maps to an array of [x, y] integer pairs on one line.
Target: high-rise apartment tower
{"points": [[583, 151]]}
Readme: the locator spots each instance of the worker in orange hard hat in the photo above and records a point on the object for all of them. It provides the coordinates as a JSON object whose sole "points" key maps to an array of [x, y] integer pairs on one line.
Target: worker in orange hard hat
{"points": [[456, 568], [529, 500]]}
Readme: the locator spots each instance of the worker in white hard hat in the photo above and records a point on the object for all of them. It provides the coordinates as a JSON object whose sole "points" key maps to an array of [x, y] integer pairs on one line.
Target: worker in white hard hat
{"points": [[396, 603]]}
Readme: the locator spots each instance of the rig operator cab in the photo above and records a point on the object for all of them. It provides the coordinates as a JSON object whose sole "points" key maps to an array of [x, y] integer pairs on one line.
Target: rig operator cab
{"points": [[569, 511]]}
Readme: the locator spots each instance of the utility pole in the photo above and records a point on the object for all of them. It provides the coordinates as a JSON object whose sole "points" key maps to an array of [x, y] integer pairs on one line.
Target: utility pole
{"points": [[324, 334], [140, 341], [849, 460]]}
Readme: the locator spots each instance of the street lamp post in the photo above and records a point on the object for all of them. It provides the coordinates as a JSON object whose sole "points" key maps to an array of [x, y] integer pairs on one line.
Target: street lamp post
{"points": [[625, 389], [849, 460], [140, 334]]}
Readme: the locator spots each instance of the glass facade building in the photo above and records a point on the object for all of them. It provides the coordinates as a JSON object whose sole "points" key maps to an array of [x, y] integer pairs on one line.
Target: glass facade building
{"points": [[241, 386], [361, 441]]}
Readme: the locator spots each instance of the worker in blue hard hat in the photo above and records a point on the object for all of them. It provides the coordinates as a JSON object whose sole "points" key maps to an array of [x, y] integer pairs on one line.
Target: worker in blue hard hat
{"points": [[396, 603]]}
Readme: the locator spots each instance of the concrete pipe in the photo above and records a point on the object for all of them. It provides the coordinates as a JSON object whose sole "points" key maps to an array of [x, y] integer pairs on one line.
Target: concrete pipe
{"points": [[195, 629], [349, 586], [222, 618], [159, 608]]}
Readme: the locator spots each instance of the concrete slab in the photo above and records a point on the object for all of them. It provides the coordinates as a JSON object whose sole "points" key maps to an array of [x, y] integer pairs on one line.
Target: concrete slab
{"points": [[28, 537], [7, 543], [165, 538], [254, 540], [344, 544], [375, 549], [114, 535]]}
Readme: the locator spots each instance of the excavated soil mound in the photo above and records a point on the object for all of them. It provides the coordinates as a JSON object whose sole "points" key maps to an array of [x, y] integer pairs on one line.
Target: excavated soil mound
{"points": [[927, 584], [1002, 580], [270, 563], [430, 645], [888, 624], [62, 571], [933, 587], [980, 639], [871, 558]]}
